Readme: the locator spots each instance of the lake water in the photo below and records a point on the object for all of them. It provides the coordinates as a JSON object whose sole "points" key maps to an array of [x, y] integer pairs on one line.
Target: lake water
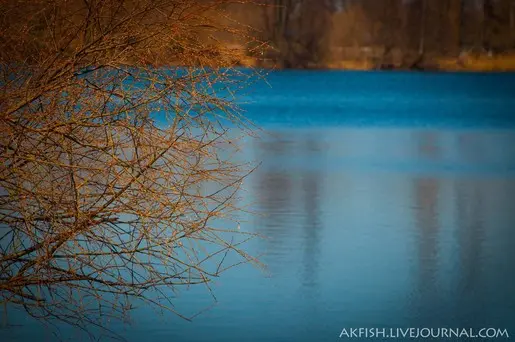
{"points": [[387, 200]]}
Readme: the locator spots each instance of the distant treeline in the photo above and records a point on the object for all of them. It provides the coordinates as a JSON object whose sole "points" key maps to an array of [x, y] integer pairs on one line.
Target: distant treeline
{"points": [[304, 33]]}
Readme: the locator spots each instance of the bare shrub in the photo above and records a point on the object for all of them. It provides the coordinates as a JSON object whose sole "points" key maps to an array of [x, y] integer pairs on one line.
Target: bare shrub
{"points": [[116, 178]]}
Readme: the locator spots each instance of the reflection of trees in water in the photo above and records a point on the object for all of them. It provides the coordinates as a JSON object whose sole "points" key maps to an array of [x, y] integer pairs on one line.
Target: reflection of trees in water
{"points": [[290, 220], [428, 145], [311, 184], [467, 296], [426, 197], [426, 192], [470, 229], [469, 219], [275, 188], [469, 215]]}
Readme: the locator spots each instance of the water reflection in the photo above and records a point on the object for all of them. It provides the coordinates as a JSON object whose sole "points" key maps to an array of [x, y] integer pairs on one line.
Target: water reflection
{"points": [[289, 201], [405, 221], [469, 223], [311, 193], [426, 199], [469, 197], [364, 228], [426, 193], [275, 197]]}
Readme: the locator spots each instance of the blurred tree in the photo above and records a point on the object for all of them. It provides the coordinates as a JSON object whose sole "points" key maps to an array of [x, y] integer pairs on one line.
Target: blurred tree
{"points": [[298, 30]]}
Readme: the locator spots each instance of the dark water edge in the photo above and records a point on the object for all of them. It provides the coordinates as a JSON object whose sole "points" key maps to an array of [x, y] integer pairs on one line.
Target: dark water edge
{"points": [[386, 199]]}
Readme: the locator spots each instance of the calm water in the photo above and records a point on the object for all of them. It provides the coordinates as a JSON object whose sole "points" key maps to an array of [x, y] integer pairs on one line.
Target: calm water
{"points": [[387, 200]]}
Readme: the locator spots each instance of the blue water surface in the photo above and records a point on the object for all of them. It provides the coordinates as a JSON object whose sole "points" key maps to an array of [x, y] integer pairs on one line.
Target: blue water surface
{"points": [[398, 99], [387, 199]]}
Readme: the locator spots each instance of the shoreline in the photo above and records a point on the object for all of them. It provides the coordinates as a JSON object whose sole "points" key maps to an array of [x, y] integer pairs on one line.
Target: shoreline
{"points": [[470, 64]]}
